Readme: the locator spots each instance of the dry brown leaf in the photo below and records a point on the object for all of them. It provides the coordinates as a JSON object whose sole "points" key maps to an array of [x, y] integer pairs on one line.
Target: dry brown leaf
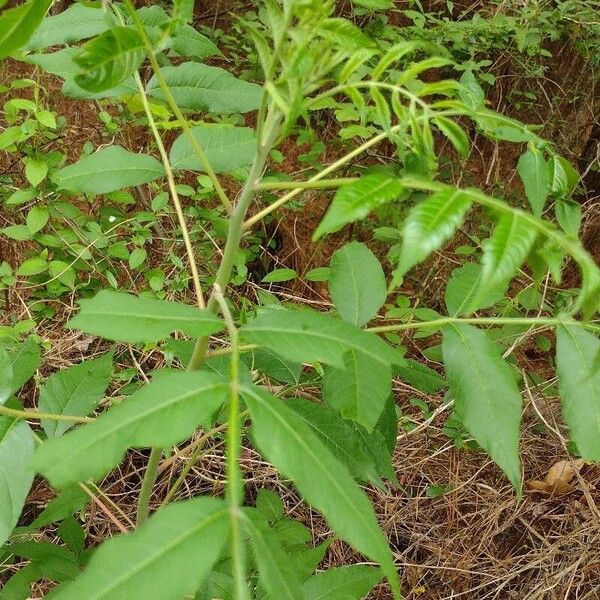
{"points": [[558, 479]]}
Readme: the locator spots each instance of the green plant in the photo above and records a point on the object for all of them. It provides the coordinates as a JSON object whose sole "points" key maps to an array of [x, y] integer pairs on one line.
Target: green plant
{"points": [[208, 547]]}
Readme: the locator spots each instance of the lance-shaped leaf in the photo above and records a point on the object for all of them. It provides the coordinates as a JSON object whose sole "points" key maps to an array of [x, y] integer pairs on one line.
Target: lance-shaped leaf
{"points": [[77, 22], [16, 474], [107, 170], [25, 359], [274, 567], [308, 336], [164, 412], [18, 24], [200, 87], [154, 561], [466, 292], [486, 396], [109, 59], [226, 148], [356, 283], [504, 253], [363, 453], [126, 318], [359, 390], [356, 200], [533, 171], [577, 355], [6, 376], [287, 442], [75, 391], [429, 224], [353, 582]]}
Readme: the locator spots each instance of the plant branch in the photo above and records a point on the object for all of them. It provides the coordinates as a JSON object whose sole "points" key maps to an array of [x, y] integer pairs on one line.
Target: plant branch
{"points": [[305, 185], [35, 415], [235, 481], [175, 107]]}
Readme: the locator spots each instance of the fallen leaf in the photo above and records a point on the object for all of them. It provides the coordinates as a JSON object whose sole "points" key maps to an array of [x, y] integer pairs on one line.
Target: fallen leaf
{"points": [[558, 480]]}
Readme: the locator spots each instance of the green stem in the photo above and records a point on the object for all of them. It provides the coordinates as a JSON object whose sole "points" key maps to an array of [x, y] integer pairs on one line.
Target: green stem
{"points": [[143, 504], [175, 107], [235, 481], [305, 185], [35, 415], [436, 323]]}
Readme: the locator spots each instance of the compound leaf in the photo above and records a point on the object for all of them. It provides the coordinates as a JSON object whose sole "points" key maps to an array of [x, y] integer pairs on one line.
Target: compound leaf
{"points": [[154, 561], [127, 318], [164, 412], [577, 354], [486, 396]]}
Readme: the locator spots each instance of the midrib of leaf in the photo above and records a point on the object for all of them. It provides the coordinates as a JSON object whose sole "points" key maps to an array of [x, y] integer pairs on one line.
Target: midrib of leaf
{"points": [[588, 378], [309, 451], [153, 317], [481, 376], [81, 174], [505, 247], [163, 550]]}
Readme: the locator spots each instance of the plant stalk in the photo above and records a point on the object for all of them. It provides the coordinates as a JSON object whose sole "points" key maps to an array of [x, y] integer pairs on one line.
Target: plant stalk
{"points": [[143, 504]]}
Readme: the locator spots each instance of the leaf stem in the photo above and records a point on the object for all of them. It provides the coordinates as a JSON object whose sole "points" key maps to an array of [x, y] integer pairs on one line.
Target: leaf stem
{"points": [[143, 504], [35, 415], [235, 481], [305, 185], [436, 323]]}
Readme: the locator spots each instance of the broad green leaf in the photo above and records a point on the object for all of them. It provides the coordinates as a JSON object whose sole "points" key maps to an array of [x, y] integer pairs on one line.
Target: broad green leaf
{"points": [[58, 63], [72, 90], [107, 60], [504, 253], [356, 283], [308, 336], [67, 502], [35, 171], [356, 200], [75, 391], [344, 441], [25, 358], [18, 24], [420, 376], [6, 376], [200, 87], [353, 582], [276, 572], [374, 4], [533, 171], [168, 557], [563, 177], [499, 127], [276, 367], [16, 474], [126, 318], [568, 215], [359, 390], [37, 217], [455, 134], [16, 232], [287, 442], [107, 170], [429, 224], [577, 354], [77, 22], [270, 505], [486, 396], [227, 148], [466, 292], [162, 413], [279, 276], [183, 10], [189, 42], [471, 93], [344, 33]]}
